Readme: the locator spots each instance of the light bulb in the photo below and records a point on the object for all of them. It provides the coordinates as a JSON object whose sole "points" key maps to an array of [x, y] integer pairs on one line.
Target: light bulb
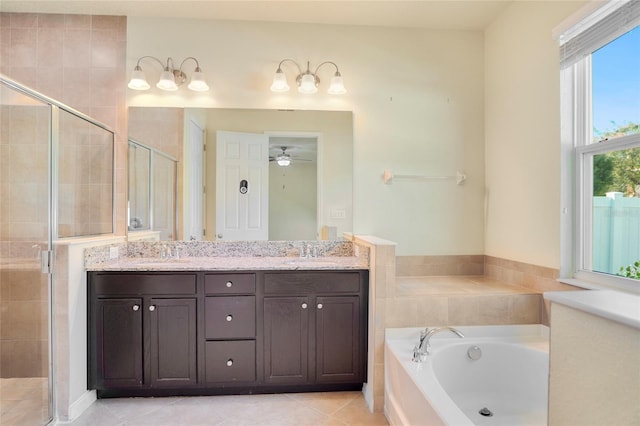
{"points": [[167, 81], [308, 84], [279, 82], [283, 161], [138, 80], [198, 82], [337, 85]]}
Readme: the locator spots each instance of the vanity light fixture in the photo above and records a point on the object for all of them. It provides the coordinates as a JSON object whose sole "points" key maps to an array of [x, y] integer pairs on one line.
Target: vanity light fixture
{"points": [[307, 81], [170, 78]]}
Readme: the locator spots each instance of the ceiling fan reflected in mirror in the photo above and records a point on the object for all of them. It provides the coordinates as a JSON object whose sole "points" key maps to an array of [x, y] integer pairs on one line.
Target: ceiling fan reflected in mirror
{"points": [[283, 159]]}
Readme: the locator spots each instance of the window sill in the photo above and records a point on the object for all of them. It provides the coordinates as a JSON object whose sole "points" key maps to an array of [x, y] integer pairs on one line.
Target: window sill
{"points": [[604, 282], [609, 304]]}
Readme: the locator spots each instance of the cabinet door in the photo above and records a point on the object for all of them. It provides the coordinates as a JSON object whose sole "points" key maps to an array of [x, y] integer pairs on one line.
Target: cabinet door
{"points": [[172, 336], [118, 334], [286, 340], [338, 339]]}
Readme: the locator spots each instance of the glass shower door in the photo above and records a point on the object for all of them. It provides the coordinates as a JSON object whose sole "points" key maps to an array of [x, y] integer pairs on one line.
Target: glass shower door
{"points": [[25, 234]]}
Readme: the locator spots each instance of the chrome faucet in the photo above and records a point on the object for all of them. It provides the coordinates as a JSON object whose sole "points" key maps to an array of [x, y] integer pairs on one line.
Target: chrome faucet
{"points": [[422, 349]]}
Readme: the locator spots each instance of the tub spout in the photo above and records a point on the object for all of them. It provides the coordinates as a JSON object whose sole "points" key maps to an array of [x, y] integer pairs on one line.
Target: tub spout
{"points": [[423, 348]]}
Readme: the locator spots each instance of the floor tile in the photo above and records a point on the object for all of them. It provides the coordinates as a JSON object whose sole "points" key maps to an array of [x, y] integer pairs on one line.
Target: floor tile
{"points": [[312, 409]]}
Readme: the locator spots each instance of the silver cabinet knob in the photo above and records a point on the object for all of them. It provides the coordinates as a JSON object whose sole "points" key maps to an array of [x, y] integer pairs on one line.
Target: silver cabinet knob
{"points": [[229, 362], [229, 284], [152, 308], [319, 305], [304, 306], [136, 307], [219, 236], [229, 318]]}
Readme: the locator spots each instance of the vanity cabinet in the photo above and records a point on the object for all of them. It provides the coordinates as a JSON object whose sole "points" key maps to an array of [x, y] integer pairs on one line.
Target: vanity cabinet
{"points": [[314, 327], [142, 330], [211, 332], [230, 328]]}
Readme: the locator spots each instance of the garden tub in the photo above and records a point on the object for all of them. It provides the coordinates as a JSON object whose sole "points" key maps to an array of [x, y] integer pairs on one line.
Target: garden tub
{"points": [[494, 375]]}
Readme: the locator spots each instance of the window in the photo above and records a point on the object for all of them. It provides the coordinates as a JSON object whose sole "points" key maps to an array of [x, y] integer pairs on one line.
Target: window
{"points": [[601, 151]]}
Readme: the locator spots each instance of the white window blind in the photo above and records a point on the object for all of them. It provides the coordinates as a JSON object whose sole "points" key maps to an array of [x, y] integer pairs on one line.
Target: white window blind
{"points": [[583, 40]]}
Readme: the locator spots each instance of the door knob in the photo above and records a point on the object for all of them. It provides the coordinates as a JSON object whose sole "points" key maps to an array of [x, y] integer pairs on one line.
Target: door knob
{"points": [[319, 305], [136, 307], [229, 318], [229, 284], [219, 236], [304, 306], [152, 308], [229, 362]]}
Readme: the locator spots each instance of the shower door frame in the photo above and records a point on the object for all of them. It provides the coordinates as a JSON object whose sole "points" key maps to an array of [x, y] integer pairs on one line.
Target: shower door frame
{"points": [[47, 256]]}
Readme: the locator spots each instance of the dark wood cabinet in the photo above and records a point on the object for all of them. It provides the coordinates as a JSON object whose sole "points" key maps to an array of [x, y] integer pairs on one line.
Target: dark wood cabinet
{"points": [[118, 325], [339, 342], [210, 332], [172, 336], [316, 337], [286, 340], [142, 330], [230, 329]]}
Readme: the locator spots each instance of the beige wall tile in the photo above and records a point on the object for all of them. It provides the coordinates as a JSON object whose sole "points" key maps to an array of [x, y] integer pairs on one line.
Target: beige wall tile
{"points": [[105, 49], [463, 310], [398, 313], [525, 308], [493, 310], [440, 265], [51, 21], [431, 310], [378, 389], [76, 52], [50, 81], [50, 42], [24, 47], [77, 22], [23, 20]]}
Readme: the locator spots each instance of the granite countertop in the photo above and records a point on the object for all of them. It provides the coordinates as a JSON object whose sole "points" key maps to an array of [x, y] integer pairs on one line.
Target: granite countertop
{"points": [[227, 256], [232, 263]]}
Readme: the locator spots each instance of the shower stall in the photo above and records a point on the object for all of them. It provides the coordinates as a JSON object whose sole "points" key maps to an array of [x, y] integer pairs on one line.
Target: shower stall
{"points": [[56, 183]]}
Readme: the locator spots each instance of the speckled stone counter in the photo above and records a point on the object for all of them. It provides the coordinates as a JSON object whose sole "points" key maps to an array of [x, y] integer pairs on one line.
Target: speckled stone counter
{"points": [[240, 255]]}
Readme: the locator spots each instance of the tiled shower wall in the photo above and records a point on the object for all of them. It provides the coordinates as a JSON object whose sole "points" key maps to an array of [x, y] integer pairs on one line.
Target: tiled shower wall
{"points": [[161, 128], [78, 60]]}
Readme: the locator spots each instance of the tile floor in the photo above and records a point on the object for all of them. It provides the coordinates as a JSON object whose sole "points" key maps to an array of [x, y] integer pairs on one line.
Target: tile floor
{"points": [[24, 402], [324, 408]]}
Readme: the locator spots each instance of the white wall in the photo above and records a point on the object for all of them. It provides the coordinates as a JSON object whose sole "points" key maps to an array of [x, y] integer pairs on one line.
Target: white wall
{"points": [[417, 98], [293, 201], [522, 133]]}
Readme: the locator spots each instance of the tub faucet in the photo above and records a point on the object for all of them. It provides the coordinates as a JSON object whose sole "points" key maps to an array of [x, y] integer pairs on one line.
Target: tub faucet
{"points": [[422, 349]]}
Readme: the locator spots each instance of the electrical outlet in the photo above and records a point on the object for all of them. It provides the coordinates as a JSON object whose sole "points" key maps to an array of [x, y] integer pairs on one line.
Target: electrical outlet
{"points": [[114, 252], [338, 214]]}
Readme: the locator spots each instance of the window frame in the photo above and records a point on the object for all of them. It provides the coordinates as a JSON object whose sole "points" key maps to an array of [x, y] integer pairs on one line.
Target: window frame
{"points": [[577, 151]]}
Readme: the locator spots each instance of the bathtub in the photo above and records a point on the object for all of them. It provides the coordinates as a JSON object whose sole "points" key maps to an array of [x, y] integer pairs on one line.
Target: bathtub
{"points": [[509, 380]]}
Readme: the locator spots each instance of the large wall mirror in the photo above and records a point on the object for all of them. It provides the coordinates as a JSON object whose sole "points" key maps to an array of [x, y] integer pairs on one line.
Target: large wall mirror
{"points": [[309, 197]]}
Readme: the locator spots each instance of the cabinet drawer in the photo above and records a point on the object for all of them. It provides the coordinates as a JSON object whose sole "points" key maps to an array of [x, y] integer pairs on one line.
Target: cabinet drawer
{"points": [[233, 361], [311, 282], [229, 283], [156, 284], [230, 317]]}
